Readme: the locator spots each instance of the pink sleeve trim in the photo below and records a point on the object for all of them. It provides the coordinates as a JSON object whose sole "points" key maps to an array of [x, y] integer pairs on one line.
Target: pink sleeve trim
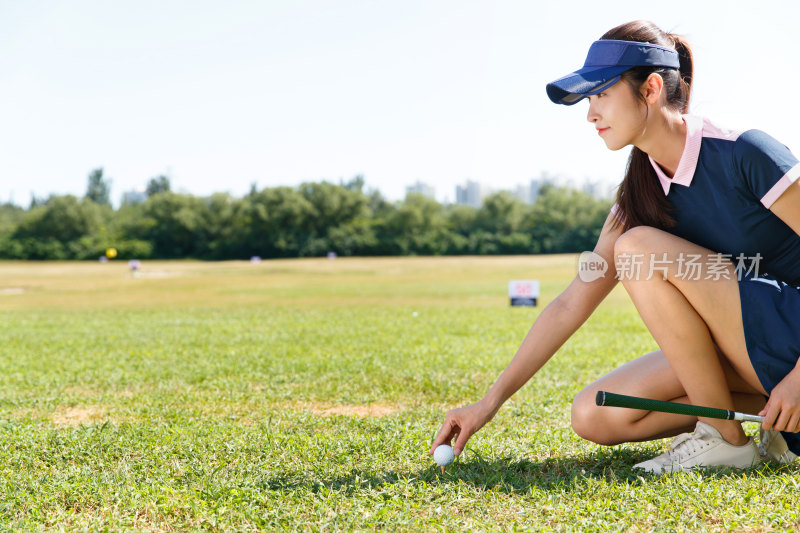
{"points": [[780, 187]]}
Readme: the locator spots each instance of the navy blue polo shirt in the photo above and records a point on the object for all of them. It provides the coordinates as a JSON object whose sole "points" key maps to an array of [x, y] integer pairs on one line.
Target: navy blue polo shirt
{"points": [[722, 192]]}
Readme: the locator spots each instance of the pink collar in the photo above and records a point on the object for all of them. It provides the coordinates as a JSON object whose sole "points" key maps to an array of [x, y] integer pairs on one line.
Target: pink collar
{"points": [[688, 163]]}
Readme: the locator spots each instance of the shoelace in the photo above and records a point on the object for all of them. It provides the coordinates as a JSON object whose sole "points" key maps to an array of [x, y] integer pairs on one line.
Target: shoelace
{"points": [[685, 445]]}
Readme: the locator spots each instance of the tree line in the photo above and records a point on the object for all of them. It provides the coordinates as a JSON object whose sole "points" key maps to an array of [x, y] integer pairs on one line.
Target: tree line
{"points": [[309, 220]]}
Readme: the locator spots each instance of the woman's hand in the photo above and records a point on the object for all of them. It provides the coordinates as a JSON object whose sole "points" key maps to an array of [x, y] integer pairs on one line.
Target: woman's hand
{"points": [[461, 424], [782, 411]]}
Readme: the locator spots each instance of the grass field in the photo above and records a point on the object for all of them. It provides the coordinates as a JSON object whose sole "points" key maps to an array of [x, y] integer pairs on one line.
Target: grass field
{"points": [[304, 394]]}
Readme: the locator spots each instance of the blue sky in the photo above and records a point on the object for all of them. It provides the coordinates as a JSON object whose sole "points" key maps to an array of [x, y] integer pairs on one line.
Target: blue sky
{"points": [[220, 95]]}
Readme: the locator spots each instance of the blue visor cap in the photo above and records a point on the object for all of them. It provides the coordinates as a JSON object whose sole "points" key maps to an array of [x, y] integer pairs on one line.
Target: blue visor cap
{"points": [[606, 61]]}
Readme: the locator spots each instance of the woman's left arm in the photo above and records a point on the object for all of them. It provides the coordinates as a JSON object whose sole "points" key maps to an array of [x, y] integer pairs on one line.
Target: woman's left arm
{"points": [[782, 411]]}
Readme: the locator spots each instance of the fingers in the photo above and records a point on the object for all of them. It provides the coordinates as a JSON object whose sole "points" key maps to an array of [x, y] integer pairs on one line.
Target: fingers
{"points": [[794, 423], [782, 422], [788, 420], [461, 442], [782, 411], [770, 413], [780, 417], [449, 429], [456, 426], [460, 424]]}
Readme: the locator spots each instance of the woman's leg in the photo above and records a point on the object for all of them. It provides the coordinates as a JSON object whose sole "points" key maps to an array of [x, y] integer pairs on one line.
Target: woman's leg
{"points": [[649, 376], [688, 317]]}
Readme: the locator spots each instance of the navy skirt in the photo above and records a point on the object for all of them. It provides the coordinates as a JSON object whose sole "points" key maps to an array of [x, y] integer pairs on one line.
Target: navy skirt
{"points": [[771, 318]]}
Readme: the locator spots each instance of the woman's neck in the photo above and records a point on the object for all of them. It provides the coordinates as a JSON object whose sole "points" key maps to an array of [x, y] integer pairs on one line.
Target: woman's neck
{"points": [[664, 140]]}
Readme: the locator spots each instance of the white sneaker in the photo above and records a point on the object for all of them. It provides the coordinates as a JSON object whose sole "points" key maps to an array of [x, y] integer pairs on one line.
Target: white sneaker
{"points": [[773, 447], [704, 447]]}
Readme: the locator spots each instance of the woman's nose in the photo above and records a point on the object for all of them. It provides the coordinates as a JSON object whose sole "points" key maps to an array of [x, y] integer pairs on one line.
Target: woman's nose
{"points": [[591, 115]]}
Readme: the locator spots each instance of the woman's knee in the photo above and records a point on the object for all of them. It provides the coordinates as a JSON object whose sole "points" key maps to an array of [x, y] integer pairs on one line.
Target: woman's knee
{"points": [[636, 240], [588, 421]]}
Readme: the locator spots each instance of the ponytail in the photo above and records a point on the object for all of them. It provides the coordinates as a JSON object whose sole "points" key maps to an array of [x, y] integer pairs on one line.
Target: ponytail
{"points": [[686, 67], [640, 199]]}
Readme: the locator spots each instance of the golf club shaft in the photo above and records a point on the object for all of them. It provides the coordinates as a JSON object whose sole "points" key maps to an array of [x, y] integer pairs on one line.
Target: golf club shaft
{"points": [[646, 404]]}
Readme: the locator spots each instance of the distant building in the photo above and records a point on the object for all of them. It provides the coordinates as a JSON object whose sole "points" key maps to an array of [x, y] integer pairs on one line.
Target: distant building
{"points": [[523, 192], [134, 197], [534, 189], [472, 193], [536, 185], [423, 189], [598, 189]]}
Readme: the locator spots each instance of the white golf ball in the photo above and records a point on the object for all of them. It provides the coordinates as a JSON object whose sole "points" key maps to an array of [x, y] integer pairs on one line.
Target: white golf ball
{"points": [[443, 455]]}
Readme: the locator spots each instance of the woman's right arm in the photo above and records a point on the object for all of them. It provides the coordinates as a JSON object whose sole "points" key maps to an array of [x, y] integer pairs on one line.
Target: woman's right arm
{"points": [[557, 322]]}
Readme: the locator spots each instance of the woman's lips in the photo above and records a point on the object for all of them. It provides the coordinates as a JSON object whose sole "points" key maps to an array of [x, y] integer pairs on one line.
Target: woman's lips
{"points": [[601, 131]]}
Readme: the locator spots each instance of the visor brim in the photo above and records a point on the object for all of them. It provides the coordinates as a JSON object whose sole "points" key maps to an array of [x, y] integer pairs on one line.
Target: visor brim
{"points": [[584, 82]]}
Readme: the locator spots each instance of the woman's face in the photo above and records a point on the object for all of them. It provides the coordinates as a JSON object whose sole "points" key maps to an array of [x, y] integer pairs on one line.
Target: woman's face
{"points": [[618, 115]]}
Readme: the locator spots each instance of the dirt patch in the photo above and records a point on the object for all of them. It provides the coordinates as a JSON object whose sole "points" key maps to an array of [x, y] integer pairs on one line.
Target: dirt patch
{"points": [[371, 410], [12, 290], [78, 390], [86, 392], [75, 416]]}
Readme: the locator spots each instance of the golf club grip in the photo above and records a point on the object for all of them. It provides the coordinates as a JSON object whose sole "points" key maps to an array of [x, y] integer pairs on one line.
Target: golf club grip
{"points": [[646, 404]]}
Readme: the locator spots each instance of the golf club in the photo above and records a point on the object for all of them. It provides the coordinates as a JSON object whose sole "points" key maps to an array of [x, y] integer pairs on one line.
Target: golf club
{"points": [[632, 402]]}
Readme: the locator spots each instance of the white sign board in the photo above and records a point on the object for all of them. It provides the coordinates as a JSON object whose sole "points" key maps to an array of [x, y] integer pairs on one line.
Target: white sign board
{"points": [[523, 292]]}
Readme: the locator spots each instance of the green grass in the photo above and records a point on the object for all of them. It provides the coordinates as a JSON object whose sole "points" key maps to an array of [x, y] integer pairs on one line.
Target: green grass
{"points": [[304, 394]]}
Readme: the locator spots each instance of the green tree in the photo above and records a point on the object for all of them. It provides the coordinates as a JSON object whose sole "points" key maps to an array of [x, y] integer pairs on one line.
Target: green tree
{"points": [[274, 222], [220, 212], [355, 184], [98, 188], [565, 220], [333, 205], [309, 220], [10, 215], [175, 225], [501, 213], [63, 228], [418, 226], [340, 220], [462, 218], [129, 231], [157, 185]]}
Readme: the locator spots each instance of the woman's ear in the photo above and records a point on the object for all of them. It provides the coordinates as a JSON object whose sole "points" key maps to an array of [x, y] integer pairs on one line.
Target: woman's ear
{"points": [[652, 88]]}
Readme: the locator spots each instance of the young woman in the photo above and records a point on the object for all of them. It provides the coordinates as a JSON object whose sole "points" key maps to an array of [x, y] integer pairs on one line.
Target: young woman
{"points": [[705, 238]]}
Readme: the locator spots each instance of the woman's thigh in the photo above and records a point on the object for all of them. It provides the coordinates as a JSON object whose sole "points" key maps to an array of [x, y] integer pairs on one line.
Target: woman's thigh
{"points": [[651, 376], [648, 376], [713, 291]]}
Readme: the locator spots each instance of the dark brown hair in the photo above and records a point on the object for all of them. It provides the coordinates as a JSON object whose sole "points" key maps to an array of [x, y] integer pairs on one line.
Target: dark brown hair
{"points": [[640, 199]]}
